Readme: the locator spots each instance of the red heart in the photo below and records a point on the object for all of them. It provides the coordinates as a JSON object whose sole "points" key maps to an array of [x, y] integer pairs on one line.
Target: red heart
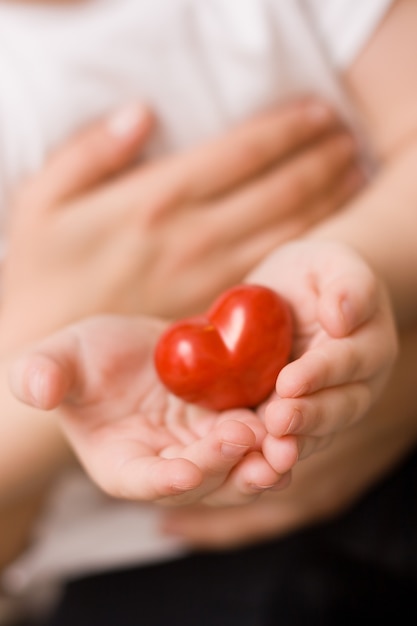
{"points": [[230, 357]]}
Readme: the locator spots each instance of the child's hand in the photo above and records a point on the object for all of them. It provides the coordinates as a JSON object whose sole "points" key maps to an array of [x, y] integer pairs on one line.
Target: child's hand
{"points": [[324, 485], [345, 344], [135, 440], [123, 424]]}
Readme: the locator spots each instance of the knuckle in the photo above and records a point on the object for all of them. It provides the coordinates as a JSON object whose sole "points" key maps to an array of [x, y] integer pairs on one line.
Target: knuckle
{"points": [[301, 189], [156, 203], [252, 152], [339, 149], [295, 188]]}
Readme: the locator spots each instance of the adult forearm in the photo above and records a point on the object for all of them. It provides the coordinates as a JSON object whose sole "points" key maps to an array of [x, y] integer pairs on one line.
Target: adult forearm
{"points": [[381, 224], [16, 523]]}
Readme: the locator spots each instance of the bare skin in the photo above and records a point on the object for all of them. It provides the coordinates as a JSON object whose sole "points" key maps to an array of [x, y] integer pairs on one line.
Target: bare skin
{"points": [[126, 244], [378, 442], [69, 191], [138, 442]]}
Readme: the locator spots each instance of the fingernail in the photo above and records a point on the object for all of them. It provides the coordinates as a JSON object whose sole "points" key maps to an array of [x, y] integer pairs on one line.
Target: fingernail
{"points": [[181, 488], [232, 450], [301, 391], [36, 387], [296, 422], [347, 313], [126, 121], [262, 488]]}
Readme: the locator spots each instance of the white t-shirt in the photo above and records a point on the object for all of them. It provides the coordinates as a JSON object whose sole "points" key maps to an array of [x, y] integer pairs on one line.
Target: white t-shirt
{"points": [[202, 65]]}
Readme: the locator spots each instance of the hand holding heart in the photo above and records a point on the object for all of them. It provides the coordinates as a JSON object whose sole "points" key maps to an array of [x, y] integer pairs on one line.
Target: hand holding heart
{"points": [[135, 439], [344, 344], [230, 357], [139, 441]]}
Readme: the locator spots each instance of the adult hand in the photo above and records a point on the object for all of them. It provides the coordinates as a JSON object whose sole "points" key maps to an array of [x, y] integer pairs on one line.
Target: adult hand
{"points": [[95, 233]]}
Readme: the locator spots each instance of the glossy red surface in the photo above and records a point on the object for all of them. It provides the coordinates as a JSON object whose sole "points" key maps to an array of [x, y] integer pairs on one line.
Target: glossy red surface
{"points": [[231, 356]]}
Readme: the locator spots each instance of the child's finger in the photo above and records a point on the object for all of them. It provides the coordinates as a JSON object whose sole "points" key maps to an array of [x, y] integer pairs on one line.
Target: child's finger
{"points": [[249, 479], [348, 300], [179, 481], [142, 476], [95, 153], [215, 455], [364, 356], [65, 367], [37, 379], [319, 414], [273, 448]]}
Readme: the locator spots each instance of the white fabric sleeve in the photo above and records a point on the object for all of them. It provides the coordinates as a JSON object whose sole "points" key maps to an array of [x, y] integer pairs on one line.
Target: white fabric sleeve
{"points": [[345, 26]]}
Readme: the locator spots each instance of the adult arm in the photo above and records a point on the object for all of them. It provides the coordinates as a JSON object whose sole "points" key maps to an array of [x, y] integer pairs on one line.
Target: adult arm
{"points": [[381, 222]]}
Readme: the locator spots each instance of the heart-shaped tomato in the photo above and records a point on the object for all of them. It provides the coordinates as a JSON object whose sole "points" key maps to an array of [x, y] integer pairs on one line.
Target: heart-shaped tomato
{"points": [[231, 356]]}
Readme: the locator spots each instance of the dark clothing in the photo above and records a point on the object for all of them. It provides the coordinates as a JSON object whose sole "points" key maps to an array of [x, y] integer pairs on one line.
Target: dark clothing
{"points": [[361, 568]]}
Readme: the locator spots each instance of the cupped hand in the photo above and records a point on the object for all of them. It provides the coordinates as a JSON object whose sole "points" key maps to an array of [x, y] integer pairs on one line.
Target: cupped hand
{"points": [[97, 231], [131, 435], [344, 344], [135, 439], [324, 485]]}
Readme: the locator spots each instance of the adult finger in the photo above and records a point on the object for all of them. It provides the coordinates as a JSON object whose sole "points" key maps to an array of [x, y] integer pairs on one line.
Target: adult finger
{"points": [[279, 205], [254, 146], [286, 191], [218, 165], [92, 155], [247, 252]]}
